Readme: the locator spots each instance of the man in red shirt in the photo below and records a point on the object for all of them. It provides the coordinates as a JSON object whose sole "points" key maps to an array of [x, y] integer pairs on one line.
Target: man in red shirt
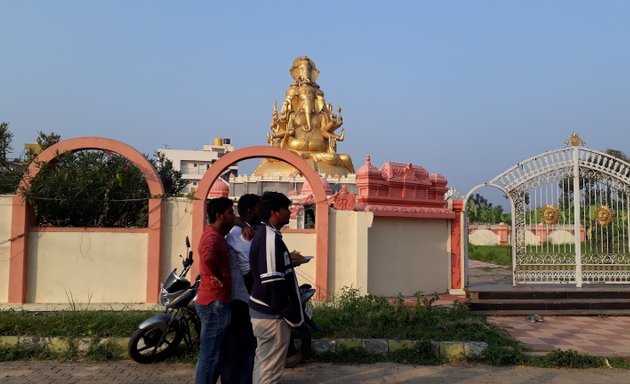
{"points": [[213, 296]]}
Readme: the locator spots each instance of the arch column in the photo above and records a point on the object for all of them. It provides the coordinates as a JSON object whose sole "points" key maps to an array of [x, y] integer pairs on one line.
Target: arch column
{"points": [[321, 208]]}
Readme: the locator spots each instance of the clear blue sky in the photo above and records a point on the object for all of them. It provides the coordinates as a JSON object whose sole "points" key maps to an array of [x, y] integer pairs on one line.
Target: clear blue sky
{"points": [[463, 88]]}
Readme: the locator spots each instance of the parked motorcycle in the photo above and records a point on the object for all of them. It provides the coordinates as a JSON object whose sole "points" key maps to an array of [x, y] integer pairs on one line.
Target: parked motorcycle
{"points": [[300, 342], [159, 336]]}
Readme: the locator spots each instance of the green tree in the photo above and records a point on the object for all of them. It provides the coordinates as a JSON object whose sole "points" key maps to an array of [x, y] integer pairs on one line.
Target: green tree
{"points": [[95, 188], [596, 191], [43, 141], [6, 137], [480, 210], [89, 189], [618, 154], [10, 172], [171, 179]]}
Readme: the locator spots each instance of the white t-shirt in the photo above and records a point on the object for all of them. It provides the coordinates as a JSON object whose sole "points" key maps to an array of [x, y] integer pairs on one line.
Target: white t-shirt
{"points": [[238, 249]]}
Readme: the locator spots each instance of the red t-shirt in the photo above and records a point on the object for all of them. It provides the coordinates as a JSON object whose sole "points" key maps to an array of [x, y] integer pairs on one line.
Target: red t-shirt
{"points": [[213, 251]]}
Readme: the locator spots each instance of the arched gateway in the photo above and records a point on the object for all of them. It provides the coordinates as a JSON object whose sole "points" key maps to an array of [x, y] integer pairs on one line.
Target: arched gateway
{"points": [[321, 209], [570, 215], [23, 217]]}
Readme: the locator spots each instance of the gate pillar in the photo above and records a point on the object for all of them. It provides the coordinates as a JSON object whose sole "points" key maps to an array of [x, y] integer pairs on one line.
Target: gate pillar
{"points": [[457, 244]]}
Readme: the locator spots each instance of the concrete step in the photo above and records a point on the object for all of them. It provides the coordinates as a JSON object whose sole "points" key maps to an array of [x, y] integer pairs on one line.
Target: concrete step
{"points": [[551, 293], [537, 305], [565, 312]]}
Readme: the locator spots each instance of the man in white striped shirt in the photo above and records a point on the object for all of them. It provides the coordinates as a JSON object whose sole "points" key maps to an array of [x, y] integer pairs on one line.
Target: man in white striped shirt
{"points": [[241, 343]]}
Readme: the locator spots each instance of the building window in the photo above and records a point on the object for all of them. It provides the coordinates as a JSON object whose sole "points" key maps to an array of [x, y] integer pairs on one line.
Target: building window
{"points": [[195, 165], [194, 183]]}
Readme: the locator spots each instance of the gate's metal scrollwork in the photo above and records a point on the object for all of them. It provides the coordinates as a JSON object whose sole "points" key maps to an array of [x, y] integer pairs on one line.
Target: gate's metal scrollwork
{"points": [[561, 235]]}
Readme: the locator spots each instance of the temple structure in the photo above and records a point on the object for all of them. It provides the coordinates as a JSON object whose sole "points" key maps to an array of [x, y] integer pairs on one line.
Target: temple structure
{"points": [[386, 230], [306, 125]]}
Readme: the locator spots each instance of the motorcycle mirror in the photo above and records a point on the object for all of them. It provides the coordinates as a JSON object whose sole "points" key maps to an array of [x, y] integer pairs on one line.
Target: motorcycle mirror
{"points": [[187, 242]]}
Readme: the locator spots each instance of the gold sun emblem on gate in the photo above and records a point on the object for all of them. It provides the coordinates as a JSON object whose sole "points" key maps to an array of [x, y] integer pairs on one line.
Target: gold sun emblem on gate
{"points": [[603, 215], [550, 214]]}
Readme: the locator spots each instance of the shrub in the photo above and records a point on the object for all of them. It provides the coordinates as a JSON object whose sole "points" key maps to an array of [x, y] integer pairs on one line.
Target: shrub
{"points": [[567, 359]]}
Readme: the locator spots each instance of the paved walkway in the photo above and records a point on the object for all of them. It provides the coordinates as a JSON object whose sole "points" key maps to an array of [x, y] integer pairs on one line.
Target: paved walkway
{"points": [[594, 335], [600, 336], [123, 372]]}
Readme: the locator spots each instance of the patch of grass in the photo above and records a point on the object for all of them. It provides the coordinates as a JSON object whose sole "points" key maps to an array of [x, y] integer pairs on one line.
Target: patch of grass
{"points": [[619, 362], [72, 351], [98, 350], [71, 323], [105, 350], [351, 315], [495, 254], [182, 355], [501, 355], [566, 359], [25, 351]]}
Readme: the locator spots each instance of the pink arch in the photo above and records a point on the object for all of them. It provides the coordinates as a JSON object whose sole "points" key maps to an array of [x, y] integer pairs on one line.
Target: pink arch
{"points": [[321, 209], [23, 217]]}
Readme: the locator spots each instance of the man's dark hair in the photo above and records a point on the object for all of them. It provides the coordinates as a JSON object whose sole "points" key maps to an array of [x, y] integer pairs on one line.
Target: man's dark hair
{"points": [[272, 201], [216, 207], [246, 202]]}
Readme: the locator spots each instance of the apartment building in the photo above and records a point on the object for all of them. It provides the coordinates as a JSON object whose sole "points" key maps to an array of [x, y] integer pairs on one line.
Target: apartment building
{"points": [[193, 164]]}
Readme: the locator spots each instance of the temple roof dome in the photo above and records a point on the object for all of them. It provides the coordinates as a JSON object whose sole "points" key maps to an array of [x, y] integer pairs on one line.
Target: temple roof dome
{"points": [[307, 190], [369, 170], [219, 189]]}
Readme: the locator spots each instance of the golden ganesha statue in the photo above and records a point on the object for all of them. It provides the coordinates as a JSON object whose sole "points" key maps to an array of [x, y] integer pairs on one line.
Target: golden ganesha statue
{"points": [[306, 125]]}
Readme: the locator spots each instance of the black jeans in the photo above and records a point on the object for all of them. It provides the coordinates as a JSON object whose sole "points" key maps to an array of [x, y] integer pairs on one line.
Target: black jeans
{"points": [[240, 346]]}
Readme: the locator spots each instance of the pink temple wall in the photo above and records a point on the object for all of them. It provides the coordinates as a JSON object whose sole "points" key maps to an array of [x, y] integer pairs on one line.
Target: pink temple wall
{"points": [[398, 190]]}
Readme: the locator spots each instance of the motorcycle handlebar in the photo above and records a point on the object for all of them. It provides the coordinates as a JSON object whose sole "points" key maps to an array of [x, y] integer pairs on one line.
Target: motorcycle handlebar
{"points": [[188, 260]]}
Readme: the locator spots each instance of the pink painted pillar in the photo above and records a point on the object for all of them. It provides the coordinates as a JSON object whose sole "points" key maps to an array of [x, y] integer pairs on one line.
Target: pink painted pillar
{"points": [[198, 225], [154, 250], [582, 234], [456, 245], [503, 234], [18, 265]]}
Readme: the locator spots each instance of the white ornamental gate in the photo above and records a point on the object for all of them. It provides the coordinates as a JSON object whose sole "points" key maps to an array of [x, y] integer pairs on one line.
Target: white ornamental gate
{"points": [[570, 213]]}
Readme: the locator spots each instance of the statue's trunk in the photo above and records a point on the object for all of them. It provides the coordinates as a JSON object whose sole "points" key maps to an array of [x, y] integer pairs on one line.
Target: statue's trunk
{"points": [[308, 109]]}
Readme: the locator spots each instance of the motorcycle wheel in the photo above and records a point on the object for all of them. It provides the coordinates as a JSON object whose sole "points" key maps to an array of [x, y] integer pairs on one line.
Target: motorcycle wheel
{"points": [[150, 345], [299, 346]]}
